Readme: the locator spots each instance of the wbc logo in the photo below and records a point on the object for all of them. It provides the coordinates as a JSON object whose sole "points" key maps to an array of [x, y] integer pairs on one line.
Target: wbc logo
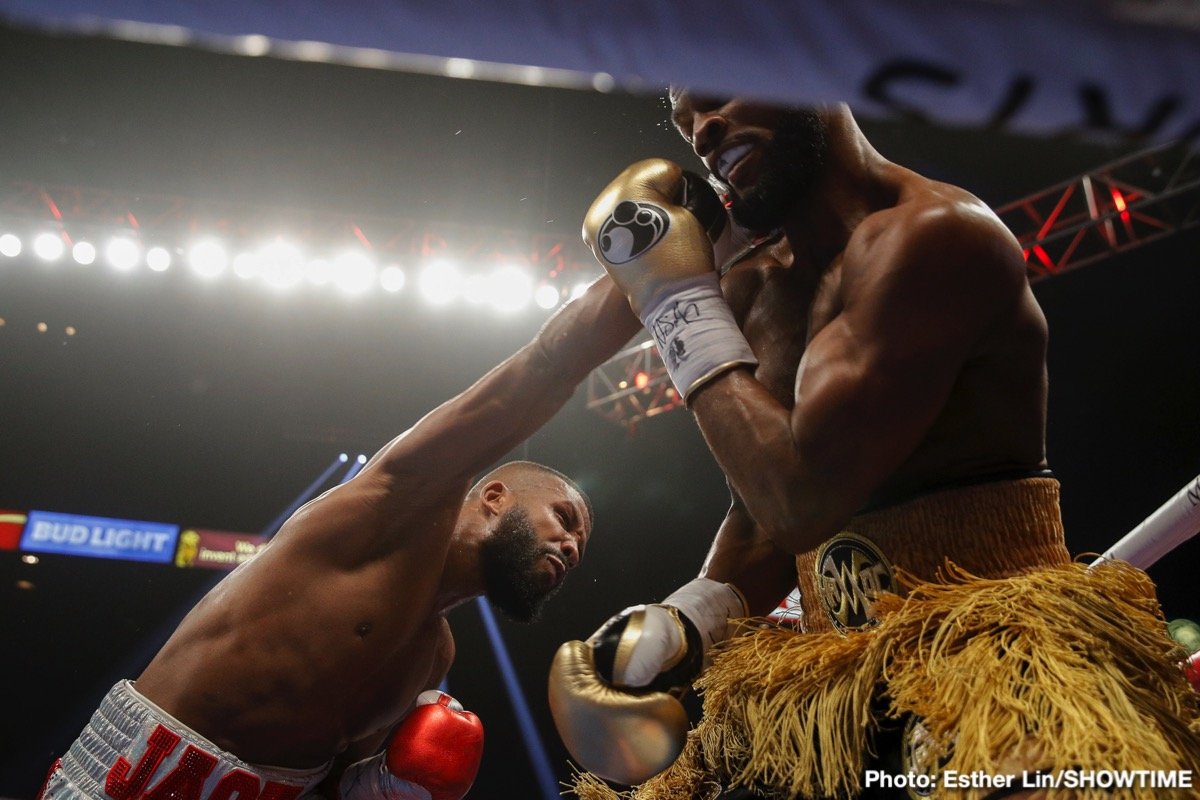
{"points": [[852, 572]]}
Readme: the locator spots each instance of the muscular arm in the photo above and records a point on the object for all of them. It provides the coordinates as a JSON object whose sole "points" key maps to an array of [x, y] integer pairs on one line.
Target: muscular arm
{"points": [[742, 554], [916, 298], [433, 462], [515, 398]]}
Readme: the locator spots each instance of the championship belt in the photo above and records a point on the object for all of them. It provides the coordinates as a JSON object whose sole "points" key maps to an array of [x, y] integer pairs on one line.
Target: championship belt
{"points": [[851, 574]]}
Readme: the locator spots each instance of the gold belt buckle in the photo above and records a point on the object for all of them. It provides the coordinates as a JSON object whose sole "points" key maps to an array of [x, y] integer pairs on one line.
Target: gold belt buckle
{"points": [[851, 573]]}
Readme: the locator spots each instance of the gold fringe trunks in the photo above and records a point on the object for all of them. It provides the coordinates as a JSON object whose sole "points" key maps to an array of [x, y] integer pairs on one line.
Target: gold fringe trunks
{"points": [[992, 530], [1054, 668]]}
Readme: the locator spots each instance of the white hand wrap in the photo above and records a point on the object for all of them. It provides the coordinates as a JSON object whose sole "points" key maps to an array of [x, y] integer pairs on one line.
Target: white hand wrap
{"points": [[370, 780], [709, 605], [660, 643], [696, 333]]}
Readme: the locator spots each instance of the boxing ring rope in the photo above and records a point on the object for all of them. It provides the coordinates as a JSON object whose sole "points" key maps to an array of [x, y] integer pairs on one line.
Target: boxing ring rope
{"points": [[1172, 524], [1175, 521], [355, 465]]}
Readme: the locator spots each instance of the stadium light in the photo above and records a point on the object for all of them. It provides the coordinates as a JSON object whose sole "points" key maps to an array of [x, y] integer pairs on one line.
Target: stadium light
{"points": [[123, 253], [281, 264], [546, 296], [354, 272], [84, 253], [511, 288], [10, 245], [440, 282], [284, 264], [49, 246], [391, 278], [208, 258], [158, 259]]}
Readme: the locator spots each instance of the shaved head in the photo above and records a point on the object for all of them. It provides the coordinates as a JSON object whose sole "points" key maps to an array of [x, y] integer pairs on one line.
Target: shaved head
{"points": [[518, 475]]}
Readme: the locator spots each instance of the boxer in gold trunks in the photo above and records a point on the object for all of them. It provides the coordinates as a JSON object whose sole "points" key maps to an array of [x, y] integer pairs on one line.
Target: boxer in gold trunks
{"points": [[874, 388]]}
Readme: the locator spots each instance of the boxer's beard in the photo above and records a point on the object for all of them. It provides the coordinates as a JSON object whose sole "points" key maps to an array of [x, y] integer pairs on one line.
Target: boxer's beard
{"points": [[513, 570], [791, 163]]}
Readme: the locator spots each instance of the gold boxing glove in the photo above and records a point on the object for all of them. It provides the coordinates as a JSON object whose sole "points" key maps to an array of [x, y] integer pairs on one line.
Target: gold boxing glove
{"points": [[651, 226], [620, 736], [652, 229], [614, 698]]}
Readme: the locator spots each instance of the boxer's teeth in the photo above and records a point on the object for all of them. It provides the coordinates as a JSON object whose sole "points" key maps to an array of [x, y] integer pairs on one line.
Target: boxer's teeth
{"points": [[729, 159]]}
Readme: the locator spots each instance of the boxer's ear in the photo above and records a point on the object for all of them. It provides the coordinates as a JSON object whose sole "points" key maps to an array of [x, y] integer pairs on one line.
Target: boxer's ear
{"points": [[495, 497]]}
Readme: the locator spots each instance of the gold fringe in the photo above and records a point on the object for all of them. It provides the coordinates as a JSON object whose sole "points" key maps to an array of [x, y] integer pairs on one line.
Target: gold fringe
{"points": [[587, 786], [1069, 667], [975, 524], [1059, 668], [796, 697], [684, 778]]}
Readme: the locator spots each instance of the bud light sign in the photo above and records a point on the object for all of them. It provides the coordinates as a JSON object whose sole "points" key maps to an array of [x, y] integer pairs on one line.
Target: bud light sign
{"points": [[99, 537]]}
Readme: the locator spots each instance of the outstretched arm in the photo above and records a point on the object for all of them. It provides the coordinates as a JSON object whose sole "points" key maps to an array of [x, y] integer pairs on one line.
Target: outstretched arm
{"points": [[513, 400]]}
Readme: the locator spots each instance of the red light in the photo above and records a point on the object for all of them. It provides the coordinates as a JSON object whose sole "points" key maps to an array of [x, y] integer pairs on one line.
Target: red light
{"points": [[641, 380], [1191, 668], [1119, 203], [54, 209], [1043, 257]]}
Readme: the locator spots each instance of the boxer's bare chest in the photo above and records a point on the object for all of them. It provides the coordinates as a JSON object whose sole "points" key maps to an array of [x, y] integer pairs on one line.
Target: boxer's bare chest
{"points": [[387, 687], [780, 303]]}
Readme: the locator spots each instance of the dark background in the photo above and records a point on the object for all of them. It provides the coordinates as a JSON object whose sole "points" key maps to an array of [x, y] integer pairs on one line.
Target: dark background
{"points": [[215, 405]]}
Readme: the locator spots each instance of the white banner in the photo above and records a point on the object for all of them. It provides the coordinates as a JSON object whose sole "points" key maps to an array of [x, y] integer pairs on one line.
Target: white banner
{"points": [[1114, 67]]}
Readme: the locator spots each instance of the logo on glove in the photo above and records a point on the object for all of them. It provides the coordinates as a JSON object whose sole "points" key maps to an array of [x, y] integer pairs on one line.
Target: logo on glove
{"points": [[630, 230]]}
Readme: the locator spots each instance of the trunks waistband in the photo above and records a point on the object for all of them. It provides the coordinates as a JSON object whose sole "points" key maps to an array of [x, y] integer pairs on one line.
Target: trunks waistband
{"points": [[131, 747], [994, 529], [885, 500]]}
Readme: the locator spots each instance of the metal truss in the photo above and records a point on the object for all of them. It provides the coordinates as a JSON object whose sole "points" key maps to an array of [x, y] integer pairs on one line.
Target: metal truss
{"points": [[632, 386], [1109, 210], [172, 221], [1119, 206]]}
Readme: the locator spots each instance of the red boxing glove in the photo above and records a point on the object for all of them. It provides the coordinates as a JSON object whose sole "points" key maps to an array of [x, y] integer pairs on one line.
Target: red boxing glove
{"points": [[437, 746], [1191, 668], [433, 755]]}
